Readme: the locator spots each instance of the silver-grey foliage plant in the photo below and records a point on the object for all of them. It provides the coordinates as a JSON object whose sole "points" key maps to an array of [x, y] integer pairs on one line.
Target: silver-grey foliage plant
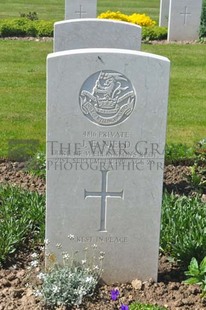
{"points": [[65, 286]]}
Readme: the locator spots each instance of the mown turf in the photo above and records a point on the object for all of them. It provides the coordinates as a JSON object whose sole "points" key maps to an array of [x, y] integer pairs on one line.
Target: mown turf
{"points": [[23, 76], [187, 106], [149, 7], [49, 9], [23, 91], [54, 9]]}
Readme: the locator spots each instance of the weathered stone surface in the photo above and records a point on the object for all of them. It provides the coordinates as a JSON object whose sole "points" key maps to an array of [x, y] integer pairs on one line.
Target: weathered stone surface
{"points": [[106, 123]]}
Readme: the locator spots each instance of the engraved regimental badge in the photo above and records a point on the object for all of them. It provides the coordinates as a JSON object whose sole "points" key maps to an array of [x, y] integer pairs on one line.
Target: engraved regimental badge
{"points": [[107, 98]]}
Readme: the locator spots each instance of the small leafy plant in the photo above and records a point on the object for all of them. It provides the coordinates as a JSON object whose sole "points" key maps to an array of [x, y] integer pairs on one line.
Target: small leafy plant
{"points": [[22, 217], [183, 227], [197, 176], [176, 153], [30, 15], [37, 165], [201, 145], [197, 274], [140, 306], [200, 151], [68, 283]]}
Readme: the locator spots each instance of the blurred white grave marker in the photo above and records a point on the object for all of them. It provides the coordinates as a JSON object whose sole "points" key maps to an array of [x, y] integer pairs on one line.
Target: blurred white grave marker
{"points": [[80, 9]]}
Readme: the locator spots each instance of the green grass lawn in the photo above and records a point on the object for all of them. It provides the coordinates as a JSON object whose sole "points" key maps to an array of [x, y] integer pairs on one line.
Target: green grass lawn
{"points": [[23, 91], [187, 104], [54, 9], [23, 77]]}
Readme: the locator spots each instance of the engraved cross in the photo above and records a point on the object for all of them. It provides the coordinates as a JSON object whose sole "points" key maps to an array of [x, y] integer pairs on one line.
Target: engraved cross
{"points": [[103, 194], [80, 12], [185, 13]]}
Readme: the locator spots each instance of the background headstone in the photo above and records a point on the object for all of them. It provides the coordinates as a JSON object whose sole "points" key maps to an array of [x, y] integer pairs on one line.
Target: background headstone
{"points": [[164, 13], [184, 20], [96, 33], [106, 124], [80, 9]]}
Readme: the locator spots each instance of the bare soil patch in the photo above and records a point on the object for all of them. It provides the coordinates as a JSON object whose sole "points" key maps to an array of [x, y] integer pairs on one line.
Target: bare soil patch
{"points": [[18, 280]]}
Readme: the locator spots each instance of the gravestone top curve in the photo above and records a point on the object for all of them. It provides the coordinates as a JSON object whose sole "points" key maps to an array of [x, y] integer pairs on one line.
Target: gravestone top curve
{"points": [[96, 33], [106, 51]]}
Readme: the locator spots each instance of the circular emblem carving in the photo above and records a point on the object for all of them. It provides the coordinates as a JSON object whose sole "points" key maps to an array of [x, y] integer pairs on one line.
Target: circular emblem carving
{"points": [[107, 98]]}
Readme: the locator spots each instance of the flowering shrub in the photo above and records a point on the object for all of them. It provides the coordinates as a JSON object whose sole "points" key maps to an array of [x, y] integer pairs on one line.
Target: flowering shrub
{"points": [[114, 15], [141, 20], [135, 18]]}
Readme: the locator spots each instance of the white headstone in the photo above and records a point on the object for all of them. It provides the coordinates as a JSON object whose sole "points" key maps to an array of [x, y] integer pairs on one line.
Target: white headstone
{"points": [[80, 9], [164, 13], [106, 124], [96, 33], [184, 20]]}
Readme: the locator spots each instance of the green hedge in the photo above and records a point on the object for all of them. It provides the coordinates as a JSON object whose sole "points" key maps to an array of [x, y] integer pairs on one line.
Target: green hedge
{"points": [[154, 33], [25, 26], [21, 27], [44, 28]]}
